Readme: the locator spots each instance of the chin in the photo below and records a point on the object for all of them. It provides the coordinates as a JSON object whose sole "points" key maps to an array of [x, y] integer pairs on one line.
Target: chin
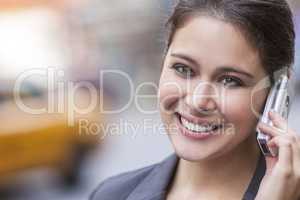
{"points": [[195, 154], [195, 151], [192, 157], [196, 157]]}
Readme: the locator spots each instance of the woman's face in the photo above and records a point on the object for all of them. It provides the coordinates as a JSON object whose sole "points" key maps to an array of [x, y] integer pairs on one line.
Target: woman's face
{"points": [[211, 67]]}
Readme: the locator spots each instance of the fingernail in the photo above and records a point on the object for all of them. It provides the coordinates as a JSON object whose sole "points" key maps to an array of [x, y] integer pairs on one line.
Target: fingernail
{"points": [[272, 111]]}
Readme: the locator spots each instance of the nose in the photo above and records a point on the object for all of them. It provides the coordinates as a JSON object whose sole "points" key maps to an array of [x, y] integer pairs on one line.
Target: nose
{"points": [[202, 98]]}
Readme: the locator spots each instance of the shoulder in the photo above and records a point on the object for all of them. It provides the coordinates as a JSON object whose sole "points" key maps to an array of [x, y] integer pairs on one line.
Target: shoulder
{"points": [[121, 185]]}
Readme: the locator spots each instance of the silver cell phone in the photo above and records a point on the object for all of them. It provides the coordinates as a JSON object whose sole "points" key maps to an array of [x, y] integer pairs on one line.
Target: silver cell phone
{"points": [[279, 101]]}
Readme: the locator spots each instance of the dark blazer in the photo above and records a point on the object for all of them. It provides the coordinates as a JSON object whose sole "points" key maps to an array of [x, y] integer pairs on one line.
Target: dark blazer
{"points": [[151, 182]]}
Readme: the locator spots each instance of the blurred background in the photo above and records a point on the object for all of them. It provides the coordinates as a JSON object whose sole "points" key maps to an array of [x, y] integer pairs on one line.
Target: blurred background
{"points": [[52, 52]]}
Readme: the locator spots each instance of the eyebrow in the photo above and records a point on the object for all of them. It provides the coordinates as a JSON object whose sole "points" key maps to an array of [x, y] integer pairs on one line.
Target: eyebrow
{"points": [[218, 70]]}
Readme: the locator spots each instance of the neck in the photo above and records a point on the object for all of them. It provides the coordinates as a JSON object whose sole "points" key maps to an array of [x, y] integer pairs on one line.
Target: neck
{"points": [[230, 172]]}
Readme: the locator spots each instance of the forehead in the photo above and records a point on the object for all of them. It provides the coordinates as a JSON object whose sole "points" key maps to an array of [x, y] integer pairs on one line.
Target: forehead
{"points": [[213, 42]]}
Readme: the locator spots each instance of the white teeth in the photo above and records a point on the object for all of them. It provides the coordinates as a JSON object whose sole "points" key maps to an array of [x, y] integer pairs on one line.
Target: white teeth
{"points": [[196, 127]]}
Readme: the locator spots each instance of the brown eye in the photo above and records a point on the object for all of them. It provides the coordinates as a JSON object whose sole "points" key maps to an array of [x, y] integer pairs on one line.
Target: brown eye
{"points": [[183, 70], [229, 81]]}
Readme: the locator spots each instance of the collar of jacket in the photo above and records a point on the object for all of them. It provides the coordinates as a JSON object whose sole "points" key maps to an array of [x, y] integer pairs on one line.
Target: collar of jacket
{"points": [[154, 185]]}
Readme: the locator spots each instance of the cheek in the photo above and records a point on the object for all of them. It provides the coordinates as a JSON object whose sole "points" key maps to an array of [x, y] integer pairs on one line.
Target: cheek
{"points": [[238, 109], [244, 101], [241, 111], [170, 91], [258, 102], [235, 101]]}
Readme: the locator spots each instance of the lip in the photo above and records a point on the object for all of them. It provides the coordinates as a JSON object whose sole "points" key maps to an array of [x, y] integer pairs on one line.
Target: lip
{"points": [[197, 120], [190, 134]]}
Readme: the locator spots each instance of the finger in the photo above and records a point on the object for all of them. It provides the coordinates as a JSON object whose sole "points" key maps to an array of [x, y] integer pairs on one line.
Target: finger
{"points": [[270, 130], [294, 137], [278, 121], [296, 159], [285, 154]]}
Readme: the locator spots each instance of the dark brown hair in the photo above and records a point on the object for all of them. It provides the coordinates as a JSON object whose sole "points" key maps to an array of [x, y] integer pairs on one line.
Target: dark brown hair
{"points": [[267, 24]]}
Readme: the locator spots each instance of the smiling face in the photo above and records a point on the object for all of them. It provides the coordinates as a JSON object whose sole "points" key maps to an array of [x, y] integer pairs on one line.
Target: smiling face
{"points": [[210, 67]]}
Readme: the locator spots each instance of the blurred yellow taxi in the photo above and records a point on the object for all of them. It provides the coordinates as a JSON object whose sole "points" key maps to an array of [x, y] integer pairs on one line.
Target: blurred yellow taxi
{"points": [[43, 140]]}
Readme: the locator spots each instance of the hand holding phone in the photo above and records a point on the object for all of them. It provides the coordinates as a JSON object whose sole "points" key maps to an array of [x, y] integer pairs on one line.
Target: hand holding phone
{"points": [[279, 101]]}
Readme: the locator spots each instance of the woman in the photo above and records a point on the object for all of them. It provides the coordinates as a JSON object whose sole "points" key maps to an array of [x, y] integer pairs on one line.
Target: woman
{"points": [[217, 52]]}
